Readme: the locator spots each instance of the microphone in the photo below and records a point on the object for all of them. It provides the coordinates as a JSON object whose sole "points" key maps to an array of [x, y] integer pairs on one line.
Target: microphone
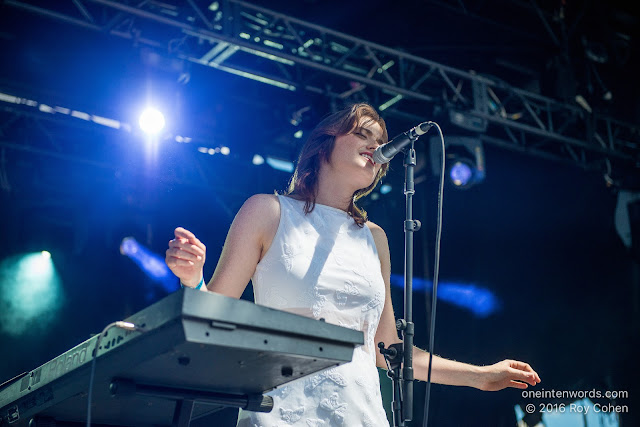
{"points": [[385, 153]]}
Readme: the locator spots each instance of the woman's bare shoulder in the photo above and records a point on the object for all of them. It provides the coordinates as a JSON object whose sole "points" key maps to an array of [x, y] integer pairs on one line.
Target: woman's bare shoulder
{"points": [[262, 201], [376, 230], [379, 237], [261, 210]]}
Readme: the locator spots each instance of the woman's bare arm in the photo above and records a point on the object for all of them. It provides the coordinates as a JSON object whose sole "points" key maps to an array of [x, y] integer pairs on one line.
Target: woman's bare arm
{"points": [[249, 237], [507, 373]]}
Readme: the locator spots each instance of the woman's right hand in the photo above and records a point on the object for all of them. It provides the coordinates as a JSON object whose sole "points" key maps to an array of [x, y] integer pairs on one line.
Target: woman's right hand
{"points": [[185, 257]]}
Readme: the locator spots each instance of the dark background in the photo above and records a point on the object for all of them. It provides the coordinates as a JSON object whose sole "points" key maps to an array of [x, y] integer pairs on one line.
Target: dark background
{"points": [[538, 234]]}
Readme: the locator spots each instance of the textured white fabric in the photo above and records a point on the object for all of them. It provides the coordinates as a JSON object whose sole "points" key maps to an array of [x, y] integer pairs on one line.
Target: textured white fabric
{"points": [[322, 265]]}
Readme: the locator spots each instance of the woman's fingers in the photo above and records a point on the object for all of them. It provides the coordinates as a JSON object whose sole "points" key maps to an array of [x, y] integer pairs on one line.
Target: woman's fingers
{"points": [[523, 372], [187, 246], [178, 262], [183, 233], [185, 236], [177, 252], [185, 256], [523, 376], [526, 367]]}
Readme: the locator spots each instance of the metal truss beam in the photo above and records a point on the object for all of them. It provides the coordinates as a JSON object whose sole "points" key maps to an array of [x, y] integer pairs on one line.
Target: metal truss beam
{"points": [[257, 43]]}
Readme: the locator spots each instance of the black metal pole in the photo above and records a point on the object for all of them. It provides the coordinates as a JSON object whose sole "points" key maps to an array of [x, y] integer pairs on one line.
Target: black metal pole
{"points": [[402, 372], [407, 326]]}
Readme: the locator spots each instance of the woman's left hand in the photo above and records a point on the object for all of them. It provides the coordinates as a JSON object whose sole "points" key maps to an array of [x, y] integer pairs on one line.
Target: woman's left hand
{"points": [[508, 373]]}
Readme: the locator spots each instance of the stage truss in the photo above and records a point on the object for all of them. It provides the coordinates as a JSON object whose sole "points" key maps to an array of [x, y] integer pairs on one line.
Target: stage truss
{"points": [[266, 46]]}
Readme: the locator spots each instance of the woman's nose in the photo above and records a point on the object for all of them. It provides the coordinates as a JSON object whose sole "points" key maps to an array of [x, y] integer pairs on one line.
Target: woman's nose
{"points": [[373, 145]]}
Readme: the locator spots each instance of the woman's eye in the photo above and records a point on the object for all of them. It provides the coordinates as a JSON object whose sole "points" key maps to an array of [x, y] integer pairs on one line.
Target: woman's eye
{"points": [[360, 135]]}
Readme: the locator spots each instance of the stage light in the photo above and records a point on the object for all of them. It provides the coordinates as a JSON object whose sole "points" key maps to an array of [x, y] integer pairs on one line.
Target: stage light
{"points": [[128, 246], [468, 121], [151, 121], [151, 264], [465, 164], [461, 173], [298, 134], [390, 102], [480, 301], [279, 164], [257, 159], [385, 189], [212, 151], [30, 293]]}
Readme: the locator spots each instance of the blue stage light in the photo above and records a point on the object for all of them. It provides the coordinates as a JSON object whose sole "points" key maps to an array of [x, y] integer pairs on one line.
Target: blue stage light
{"points": [[465, 163], [151, 121], [281, 165], [385, 189], [461, 173], [480, 301], [152, 264]]}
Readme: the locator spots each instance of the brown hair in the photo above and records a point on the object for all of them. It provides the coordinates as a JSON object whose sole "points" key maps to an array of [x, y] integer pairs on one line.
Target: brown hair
{"points": [[318, 148]]}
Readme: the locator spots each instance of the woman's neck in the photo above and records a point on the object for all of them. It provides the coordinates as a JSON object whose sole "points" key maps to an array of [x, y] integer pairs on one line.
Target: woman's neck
{"points": [[333, 191]]}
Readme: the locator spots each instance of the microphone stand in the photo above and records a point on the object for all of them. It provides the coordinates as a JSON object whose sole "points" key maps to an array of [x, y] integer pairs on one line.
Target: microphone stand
{"points": [[402, 353]]}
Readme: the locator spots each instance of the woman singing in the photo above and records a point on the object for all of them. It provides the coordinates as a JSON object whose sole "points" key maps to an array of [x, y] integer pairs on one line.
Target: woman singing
{"points": [[313, 252]]}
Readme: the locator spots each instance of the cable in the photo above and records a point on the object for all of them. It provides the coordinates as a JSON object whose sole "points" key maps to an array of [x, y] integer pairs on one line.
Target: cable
{"points": [[119, 324], [436, 273]]}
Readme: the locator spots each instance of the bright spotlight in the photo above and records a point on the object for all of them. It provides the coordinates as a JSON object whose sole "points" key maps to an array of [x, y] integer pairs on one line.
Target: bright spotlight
{"points": [[46, 254], [151, 121], [225, 151], [257, 159]]}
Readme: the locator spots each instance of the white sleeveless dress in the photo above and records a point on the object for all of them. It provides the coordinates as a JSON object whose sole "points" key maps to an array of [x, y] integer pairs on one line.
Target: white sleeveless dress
{"points": [[322, 265]]}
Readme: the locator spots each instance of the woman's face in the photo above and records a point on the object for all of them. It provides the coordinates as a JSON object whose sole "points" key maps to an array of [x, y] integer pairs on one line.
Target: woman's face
{"points": [[352, 154]]}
